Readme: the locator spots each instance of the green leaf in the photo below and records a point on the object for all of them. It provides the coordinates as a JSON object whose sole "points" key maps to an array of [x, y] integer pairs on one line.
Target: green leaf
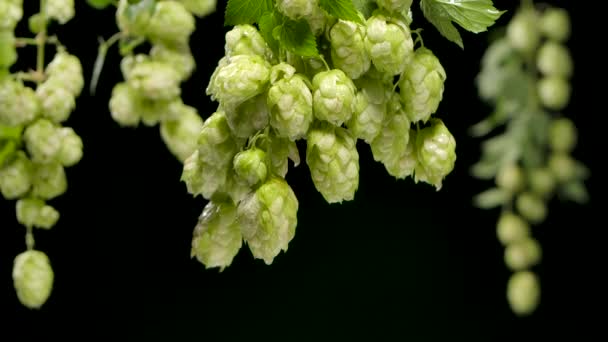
{"points": [[7, 150], [100, 4], [341, 9], [246, 11], [267, 23], [491, 198], [297, 37], [472, 15], [366, 7], [440, 19]]}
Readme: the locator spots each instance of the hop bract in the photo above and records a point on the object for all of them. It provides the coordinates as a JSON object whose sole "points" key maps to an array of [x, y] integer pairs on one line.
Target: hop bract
{"points": [[248, 117], [57, 101], [42, 141], [65, 69], [250, 165], [16, 177], [389, 45], [333, 96], [11, 12], [33, 212], [291, 110], [245, 39], [180, 134], [348, 51], [18, 103], [33, 278], [49, 181], [200, 8], [171, 24], [436, 153], [60, 10]]}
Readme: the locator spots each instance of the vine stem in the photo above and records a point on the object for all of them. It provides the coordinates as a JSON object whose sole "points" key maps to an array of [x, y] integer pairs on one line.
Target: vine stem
{"points": [[41, 42], [29, 238]]}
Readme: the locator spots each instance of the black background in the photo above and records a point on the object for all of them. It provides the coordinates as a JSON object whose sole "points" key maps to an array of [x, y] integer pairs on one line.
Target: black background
{"points": [[400, 262]]}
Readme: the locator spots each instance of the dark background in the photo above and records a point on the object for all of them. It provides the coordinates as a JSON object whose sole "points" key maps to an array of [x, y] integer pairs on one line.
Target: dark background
{"points": [[400, 262]]}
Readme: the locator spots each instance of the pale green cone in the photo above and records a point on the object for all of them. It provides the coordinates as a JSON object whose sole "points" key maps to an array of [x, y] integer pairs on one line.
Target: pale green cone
{"points": [[297, 9], [42, 141], [319, 20], [71, 147], [235, 189], [180, 135], [396, 6], [128, 62], [348, 51], [49, 181], [200, 8], [436, 153], [531, 207], [389, 45], [245, 39], [250, 165], [268, 219], [421, 86], [248, 117], [333, 96], [11, 12], [18, 103], [562, 166], [200, 178], [35, 213], [33, 278], [216, 144], [555, 24], [510, 177], [279, 151], [523, 31], [554, 59], [155, 80], [511, 228], [333, 161], [60, 10], [57, 101], [542, 182], [391, 146], [16, 177], [178, 57], [554, 92], [523, 292], [135, 25], [522, 254], [123, 105], [217, 235], [66, 69], [238, 78], [563, 135], [366, 121], [290, 103], [171, 23], [8, 49]]}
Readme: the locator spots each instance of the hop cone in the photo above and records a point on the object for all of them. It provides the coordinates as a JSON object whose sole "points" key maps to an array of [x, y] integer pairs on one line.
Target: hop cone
{"points": [[124, 106], [60, 10], [33, 212], [170, 24], [16, 177], [66, 69], [217, 236], [11, 12], [398, 6], [248, 117], [250, 165], [32, 278], [71, 147], [389, 45], [8, 50], [290, 103], [348, 51], [178, 57], [155, 80], [554, 59], [333, 160], [511, 228], [555, 24], [245, 39], [333, 96], [200, 8], [562, 135], [523, 292], [268, 219], [421, 86], [18, 103], [57, 101], [279, 151], [367, 119], [49, 181], [180, 135], [42, 141], [436, 153], [297, 9], [522, 254]]}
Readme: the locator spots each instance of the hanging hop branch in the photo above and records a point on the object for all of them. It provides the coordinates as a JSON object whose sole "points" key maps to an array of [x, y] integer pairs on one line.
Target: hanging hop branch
{"points": [[525, 77], [35, 146]]}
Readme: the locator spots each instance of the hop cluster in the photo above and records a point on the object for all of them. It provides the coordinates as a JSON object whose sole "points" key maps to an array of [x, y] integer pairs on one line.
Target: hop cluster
{"points": [[151, 91], [370, 84]]}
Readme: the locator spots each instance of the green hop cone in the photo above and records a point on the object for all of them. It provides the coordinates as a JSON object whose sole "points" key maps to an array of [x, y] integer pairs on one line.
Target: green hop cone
{"points": [[290, 102], [333, 160], [542, 182], [133, 22], [65, 69], [57, 101], [8, 49], [523, 32], [250, 165], [248, 117], [238, 78], [42, 141], [155, 80], [555, 24], [562, 166], [397, 6], [348, 51], [32, 212], [421, 86], [180, 135], [170, 24], [531, 207], [268, 219], [49, 181], [123, 105], [18, 103], [436, 153], [217, 236], [16, 177], [71, 147], [60, 10], [523, 292], [279, 151], [562, 135], [216, 144], [11, 12], [33, 278], [245, 39], [297, 9], [522, 254], [389, 45], [392, 146], [511, 228], [510, 177], [553, 59], [333, 96], [370, 108], [554, 92], [179, 57], [200, 8]]}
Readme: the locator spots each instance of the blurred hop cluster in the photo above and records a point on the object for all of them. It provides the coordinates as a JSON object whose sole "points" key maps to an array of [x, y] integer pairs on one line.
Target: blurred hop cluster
{"points": [[531, 161], [151, 91], [35, 146], [370, 84]]}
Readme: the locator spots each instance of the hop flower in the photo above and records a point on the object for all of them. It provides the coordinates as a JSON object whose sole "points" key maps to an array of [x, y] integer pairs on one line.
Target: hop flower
{"points": [[179, 57], [389, 45], [33, 278], [200, 8], [11, 12], [553, 59], [66, 70], [180, 135], [333, 96], [250, 165], [421, 86], [57, 101], [49, 181], [531, 207], [523, 32], [279, 151], [542, 182], [555, 24], [523, 292], [436, 153], [268, 219], [245, 39], [563, 167], [124, 105], [297, 9], [510, 177], [398, 6], [16, 177], [333, 160], [511, 228], [155, 80], [217, 236], [562, 135], [171, 24], [554, 92], [132, 23], [522, 254], [71, 147], [370, 109], [248, 117], [42, 141], [33, 212], [8, 50], [290, 102], [18, 103], [60, 10], [348, 51]]}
